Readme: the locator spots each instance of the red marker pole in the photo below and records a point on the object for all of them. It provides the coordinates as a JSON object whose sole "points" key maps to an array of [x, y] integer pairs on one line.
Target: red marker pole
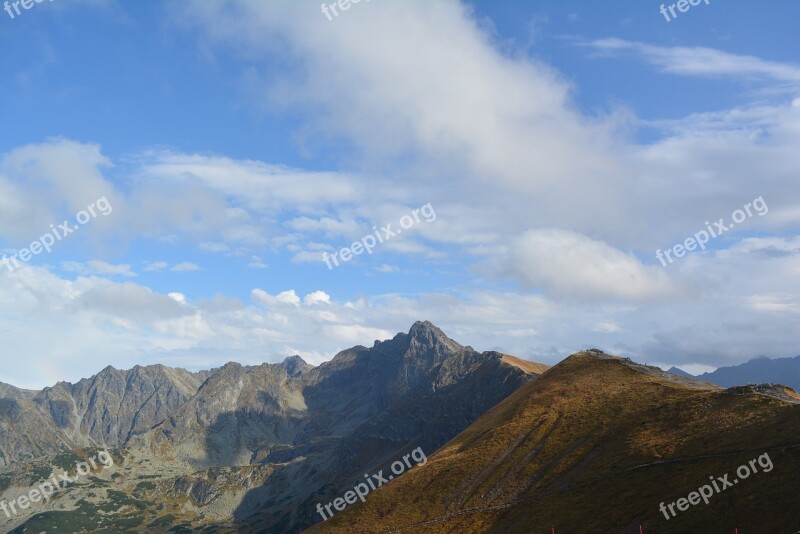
{"points": [[640, 529]]}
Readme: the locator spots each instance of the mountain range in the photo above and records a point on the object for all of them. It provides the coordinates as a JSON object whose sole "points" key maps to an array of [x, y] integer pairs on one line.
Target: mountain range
{"points": [[593, 444], [756, 371], [245, 445]]}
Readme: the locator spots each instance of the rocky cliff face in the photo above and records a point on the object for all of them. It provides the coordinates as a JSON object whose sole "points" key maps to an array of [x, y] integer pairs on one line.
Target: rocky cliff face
{"points": [[367, 407], [314, 429], [109, 408]]}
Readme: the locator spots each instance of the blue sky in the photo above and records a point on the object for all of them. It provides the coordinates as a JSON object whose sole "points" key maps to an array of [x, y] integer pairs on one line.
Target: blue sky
{"points": [[559, 143]]}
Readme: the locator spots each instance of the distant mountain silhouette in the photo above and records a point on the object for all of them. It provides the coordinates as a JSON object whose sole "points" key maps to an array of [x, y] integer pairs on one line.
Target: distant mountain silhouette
{"points": [[679, 372], [761, 370]]}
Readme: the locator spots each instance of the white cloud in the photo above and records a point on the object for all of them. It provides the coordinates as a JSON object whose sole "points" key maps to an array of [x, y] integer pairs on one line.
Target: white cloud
{"points": [[214, 247], [288, 297], [155, 266], [357, 334], [98, 267], [257, 263], [260, 186], [701, 61], [124, 323], [285, 297], [569, 264], [185, 267], [44, 184], [177, 297], [392, 98], [504, 123], [130, 303], [317, 297], [326, 225], [781, 303], [606, 326], [307, 256]]}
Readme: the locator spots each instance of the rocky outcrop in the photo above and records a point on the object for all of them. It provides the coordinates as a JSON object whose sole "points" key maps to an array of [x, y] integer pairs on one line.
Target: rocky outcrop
{"points": [[108, 408]]}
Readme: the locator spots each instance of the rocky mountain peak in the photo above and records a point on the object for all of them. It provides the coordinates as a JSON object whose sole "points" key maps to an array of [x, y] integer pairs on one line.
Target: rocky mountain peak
{"points": [[231, 369], [295, 366], [424, 335]]}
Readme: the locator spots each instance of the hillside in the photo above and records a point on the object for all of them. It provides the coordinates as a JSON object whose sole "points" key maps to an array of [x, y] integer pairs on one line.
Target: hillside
{"points": [[595, 445]]}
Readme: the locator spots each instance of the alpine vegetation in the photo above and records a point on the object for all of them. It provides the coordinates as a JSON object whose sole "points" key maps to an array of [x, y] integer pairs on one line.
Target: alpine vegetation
{"points": [[46, 489], [706, 492]]}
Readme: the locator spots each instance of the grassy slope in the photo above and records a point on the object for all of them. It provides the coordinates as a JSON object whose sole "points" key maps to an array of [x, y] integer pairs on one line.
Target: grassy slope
{"points": [[563, 451]]}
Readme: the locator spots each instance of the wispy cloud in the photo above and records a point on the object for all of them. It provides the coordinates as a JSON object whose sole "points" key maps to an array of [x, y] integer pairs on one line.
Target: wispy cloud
{"points": [[700, 61], [97, 267], [155, 266], [386, 268], [185, 267], [257, 263]]}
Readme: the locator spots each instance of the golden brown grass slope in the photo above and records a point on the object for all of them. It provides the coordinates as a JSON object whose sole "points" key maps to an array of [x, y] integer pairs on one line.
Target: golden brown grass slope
{"points": [[527, 366], [593, 446]]}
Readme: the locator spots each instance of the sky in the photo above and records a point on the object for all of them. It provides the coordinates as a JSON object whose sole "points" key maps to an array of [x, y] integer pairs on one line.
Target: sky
{"points": [[511, 171]]}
